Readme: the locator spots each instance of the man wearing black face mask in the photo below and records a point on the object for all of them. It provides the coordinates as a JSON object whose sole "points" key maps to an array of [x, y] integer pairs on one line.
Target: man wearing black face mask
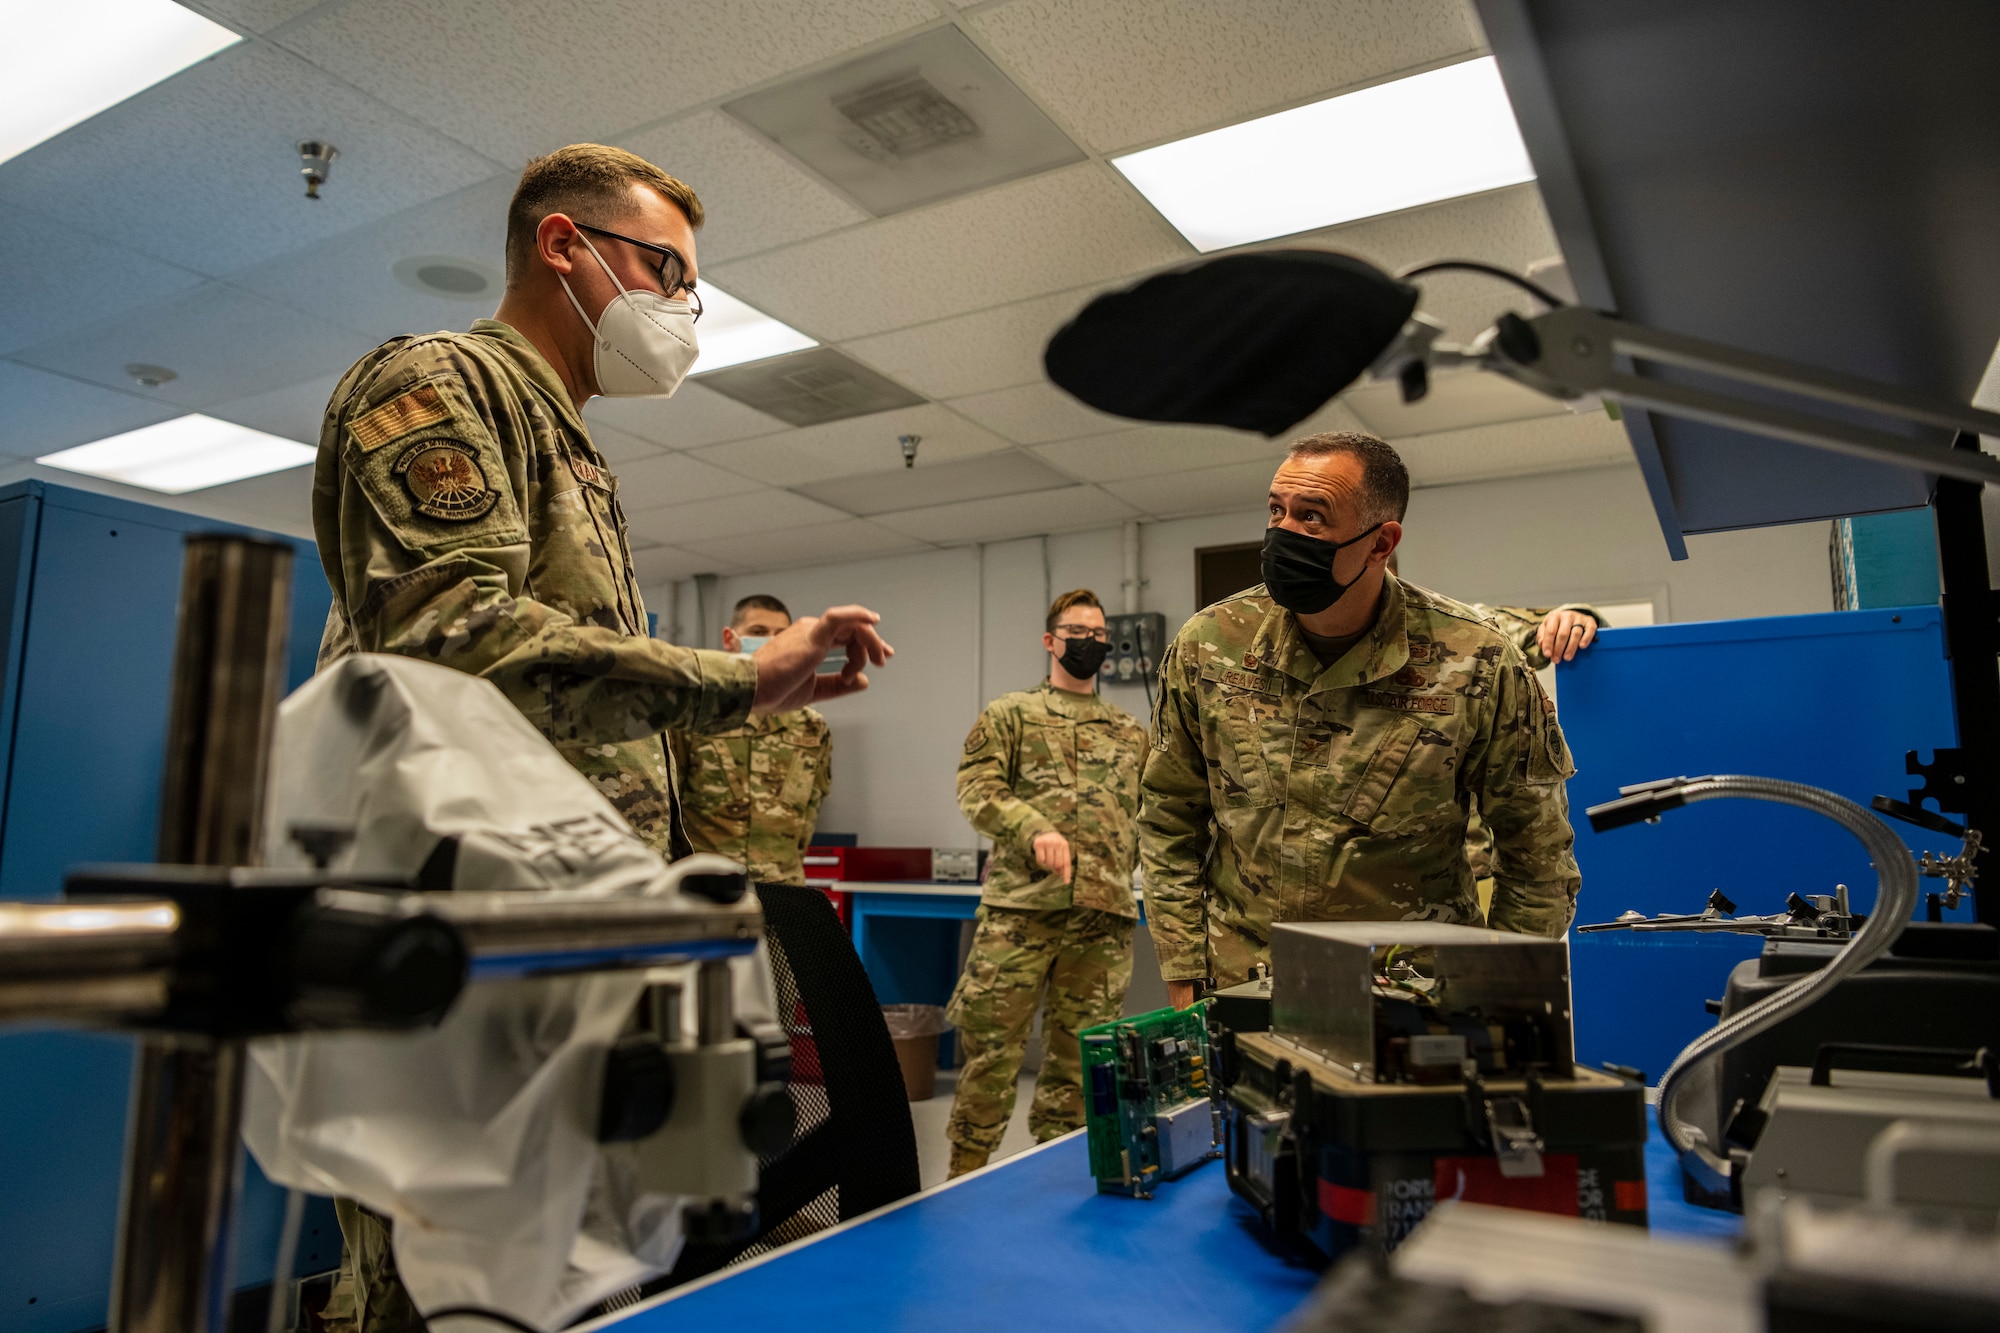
{"points": [[1052, 776], [1321, 740]]}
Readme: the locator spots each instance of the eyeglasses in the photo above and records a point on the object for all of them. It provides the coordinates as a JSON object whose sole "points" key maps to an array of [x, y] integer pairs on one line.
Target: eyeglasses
{"points": [[672, 270], [1083, 632]]}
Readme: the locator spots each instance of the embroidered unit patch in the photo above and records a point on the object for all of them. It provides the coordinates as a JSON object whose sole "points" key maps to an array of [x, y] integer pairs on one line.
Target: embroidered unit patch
{"points": [[446, 482], [399, 416]]}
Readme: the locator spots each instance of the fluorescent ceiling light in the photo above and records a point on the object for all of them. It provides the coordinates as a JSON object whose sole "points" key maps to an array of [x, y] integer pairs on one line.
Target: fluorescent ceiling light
{"points": [[731, 333], [64, 62], [1397, 145], [186, 454]]}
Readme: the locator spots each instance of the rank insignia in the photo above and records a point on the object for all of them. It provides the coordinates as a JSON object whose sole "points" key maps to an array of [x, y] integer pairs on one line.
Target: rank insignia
{"points": [[1250, 661], [446, 482]]}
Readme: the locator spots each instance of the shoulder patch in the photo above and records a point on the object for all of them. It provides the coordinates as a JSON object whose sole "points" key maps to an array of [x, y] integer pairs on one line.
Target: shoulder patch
{"points": [[445, 481], [1408, 703], [975, 740], [412, 411]]}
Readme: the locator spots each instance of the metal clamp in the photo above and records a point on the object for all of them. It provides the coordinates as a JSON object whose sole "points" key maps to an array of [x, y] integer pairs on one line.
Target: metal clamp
{"points": [[1511, 1127]]}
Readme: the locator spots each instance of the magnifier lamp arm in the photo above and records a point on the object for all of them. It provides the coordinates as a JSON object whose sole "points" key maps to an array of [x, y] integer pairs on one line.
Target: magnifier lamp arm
{"points": [[1576, 352]]}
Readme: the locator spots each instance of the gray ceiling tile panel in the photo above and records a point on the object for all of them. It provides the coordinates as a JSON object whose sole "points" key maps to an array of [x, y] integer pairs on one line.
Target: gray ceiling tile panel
{"points": [[1011, 516], [1215, 490], [659, 564], [1046, 234], [1157, 449], [1120, 78], [729, 516], [811, 388], [55, 277], [1037, 413], [532, 75], [755, 197], [1456, 400], [1009, 472], [857, 446], [967, 354], [203, 169], [1516, 448], [41, 413], [693, 417], [825, 543], [253, 15], [221, 343], [293, 412], [674, 479]]}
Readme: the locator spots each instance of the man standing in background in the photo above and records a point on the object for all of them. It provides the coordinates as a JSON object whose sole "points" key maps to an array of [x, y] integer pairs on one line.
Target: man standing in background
{"points": [[752, 793], [1051, 775]]}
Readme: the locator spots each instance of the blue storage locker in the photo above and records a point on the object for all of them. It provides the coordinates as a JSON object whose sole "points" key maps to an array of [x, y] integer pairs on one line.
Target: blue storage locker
{"points": [[89, 588], [1833, 700]]}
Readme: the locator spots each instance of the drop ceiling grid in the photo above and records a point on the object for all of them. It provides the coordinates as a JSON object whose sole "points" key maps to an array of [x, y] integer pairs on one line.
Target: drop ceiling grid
{"points": [[533, 75]]}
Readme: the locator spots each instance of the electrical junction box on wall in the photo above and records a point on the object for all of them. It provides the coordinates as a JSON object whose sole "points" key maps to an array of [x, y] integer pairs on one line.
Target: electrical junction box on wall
{"points": [[1136, 643]]}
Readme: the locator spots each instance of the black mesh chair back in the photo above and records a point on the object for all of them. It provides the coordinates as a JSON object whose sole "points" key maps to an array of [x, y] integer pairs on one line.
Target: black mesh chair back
{"points": [[853, 1146]]}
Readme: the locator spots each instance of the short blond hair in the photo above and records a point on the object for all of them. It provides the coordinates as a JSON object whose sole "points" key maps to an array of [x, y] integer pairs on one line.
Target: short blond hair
{"points": [[1074, 597], [591, 179]]}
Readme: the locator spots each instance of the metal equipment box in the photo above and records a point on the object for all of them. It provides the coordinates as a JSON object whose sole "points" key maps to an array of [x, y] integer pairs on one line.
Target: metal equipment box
{"points": [[1409, 1000]]}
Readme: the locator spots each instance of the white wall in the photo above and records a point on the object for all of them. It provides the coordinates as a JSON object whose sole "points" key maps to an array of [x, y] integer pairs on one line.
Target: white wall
{"points": [[967, 623]]}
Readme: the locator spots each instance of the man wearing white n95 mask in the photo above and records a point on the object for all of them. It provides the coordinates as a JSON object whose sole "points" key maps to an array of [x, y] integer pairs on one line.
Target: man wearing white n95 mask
{"points": [[465, 517]]}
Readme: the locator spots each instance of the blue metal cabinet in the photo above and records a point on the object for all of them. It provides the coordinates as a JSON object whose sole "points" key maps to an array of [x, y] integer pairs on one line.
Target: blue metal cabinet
{"points": [[88, 593], [1833, 700]]}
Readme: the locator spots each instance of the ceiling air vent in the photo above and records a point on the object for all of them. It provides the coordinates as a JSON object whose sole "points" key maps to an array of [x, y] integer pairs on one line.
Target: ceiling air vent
{"points": [[924, 120], [811, 387]]}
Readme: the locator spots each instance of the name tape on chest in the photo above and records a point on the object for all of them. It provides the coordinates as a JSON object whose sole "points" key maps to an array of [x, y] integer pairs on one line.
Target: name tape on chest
{"points": [[592, 475], [1247, 680], [1408, 703], [420, 407]]}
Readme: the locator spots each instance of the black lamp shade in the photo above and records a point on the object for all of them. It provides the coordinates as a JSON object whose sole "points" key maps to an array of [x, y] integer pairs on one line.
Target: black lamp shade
{"points": [[1254, 341]]}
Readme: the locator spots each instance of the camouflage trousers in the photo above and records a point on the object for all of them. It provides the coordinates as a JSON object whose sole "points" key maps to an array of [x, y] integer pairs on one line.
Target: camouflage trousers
{"points": [[1084, 958], [368, 1296]]}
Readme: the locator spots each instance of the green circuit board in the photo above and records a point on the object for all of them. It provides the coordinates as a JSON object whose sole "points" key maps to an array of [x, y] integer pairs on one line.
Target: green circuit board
{"points": [[1148, 1106]]}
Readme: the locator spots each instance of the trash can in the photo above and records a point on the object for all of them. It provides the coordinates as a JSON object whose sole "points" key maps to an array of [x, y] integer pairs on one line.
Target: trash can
{"points": [[915, 1028]]}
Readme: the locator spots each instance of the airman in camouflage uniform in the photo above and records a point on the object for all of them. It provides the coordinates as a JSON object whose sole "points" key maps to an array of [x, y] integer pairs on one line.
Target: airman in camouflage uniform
{"points": [[464, 517], [1047, 768], [1281, 787], [752, 793]]}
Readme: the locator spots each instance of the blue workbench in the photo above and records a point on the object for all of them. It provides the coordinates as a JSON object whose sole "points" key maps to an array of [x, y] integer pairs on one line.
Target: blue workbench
{"points": [[1029, 1243]]}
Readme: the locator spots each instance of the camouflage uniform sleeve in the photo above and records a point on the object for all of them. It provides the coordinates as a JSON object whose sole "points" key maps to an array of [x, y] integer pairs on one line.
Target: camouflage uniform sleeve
{"points": [[822, 784], [986, 781], [1518, 778], [446, 582], [1523, 625], [1175, 826]]}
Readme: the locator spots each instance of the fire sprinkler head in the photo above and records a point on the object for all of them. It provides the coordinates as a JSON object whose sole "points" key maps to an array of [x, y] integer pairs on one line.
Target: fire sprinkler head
{"points": [[909, 443], [316, 160]]}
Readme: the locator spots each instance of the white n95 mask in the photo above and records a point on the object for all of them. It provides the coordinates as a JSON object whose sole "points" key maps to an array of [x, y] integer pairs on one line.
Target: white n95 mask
{"points": [[645, 343]]}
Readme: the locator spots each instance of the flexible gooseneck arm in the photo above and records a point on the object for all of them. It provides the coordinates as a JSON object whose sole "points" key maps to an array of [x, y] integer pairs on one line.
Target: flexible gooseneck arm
{"points": [[1895, 899]]}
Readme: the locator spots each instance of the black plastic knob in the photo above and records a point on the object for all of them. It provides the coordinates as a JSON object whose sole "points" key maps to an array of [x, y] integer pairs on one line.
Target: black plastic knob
{"points": [[766, 1120], [719, 1221], [638, 1090]]}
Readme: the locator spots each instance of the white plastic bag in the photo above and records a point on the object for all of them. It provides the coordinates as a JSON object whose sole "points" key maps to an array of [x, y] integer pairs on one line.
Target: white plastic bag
{"points": [[477, 1137]]}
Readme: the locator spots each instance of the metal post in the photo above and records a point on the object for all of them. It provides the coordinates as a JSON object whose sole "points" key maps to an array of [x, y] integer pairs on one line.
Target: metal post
{"points": [[1966, 780], [183, 1172], [715, 1015]]}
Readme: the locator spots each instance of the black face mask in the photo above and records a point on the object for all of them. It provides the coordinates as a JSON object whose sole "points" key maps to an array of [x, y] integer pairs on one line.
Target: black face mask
{"points": [[1082, 657], [1298, 570]]}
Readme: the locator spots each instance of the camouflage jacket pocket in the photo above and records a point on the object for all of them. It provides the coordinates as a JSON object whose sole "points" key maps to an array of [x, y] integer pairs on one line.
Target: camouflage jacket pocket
{"points": [[1409, 782], [804, 756], [1254, 750]]}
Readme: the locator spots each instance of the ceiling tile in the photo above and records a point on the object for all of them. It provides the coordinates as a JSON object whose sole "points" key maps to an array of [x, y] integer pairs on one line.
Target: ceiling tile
{"points": [[348, 280], [1507, 227], [1037, 413], [1046, 234], [253, 15], [754, 196], [41, 413], [691, 418], [855, 446], [754, 511], [293, 412], [1156, 449], [660, 564], [1456, 399], [1010, 516], [620, 446], [1214, 490], [1516, 448], [674, 479], [222, 343], [529, 76], [1009, 472], [203, 169], [966, 354], [1119, 81], [57, 278], [785, 547]]}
